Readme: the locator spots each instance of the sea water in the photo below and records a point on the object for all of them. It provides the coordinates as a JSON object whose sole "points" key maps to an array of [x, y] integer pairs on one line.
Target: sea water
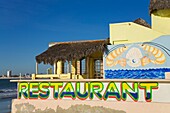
{"points": [[158, 73], [8, 91]]}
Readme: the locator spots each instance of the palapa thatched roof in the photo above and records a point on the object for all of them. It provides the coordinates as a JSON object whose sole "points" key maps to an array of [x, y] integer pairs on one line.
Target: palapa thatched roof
{"points": [[159, 5], [142, 22], [71, 51]]}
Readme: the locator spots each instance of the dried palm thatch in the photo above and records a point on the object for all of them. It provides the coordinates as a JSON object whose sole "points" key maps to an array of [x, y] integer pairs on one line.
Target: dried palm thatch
{"points": [[71, 51], [142, 22], [159, 5]]}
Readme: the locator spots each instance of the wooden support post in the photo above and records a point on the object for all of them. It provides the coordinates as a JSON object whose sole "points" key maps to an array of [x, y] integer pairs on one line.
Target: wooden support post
{"points": [[88, 67], [78, 67], [73, 68], [69, 67], [55, 67], [36, 68], [59, 67], [91, 76]]}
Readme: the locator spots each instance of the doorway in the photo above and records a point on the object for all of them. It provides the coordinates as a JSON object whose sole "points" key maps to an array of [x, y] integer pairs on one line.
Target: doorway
{"points": [[98, 69]]}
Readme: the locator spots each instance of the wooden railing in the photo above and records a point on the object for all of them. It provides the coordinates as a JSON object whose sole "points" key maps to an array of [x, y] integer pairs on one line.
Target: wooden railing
{"points": [[56, 76]]}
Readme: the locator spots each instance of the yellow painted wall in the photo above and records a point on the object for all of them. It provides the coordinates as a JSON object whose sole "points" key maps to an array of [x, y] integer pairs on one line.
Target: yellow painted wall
{"points": [[130, 32], [161, 24]]}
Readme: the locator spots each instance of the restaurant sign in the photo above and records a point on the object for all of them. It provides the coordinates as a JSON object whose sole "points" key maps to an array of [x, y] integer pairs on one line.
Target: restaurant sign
{"points": [[92, 90]]}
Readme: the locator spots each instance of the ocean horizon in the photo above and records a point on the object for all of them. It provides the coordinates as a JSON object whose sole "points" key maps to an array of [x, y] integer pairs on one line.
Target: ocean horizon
{"points": [[8, 91]]}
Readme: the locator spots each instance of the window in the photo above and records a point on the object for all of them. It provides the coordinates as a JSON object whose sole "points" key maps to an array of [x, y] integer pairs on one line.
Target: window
{"points": [[66, 67], [98, 68], [83, 67]]}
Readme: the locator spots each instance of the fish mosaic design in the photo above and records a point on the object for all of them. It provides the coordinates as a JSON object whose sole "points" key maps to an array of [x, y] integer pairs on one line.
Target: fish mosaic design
{"points": [[134, 57], [111, 61], [130, 60], [158, 54]]}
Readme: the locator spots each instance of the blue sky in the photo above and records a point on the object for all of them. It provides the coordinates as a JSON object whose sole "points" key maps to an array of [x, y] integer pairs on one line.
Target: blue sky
{"points": [[27, 26]]}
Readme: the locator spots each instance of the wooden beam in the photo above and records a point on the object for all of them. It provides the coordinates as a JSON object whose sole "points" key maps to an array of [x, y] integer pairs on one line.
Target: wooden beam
{"points": [[55, 67], [36, 68]]}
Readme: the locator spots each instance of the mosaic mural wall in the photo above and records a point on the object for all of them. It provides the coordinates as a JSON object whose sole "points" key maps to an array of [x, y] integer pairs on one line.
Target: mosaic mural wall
{"points": [[145, 60]]}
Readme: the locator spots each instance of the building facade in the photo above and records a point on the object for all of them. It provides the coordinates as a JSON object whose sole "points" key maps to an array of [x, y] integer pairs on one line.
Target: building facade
{"points": [[84, 59]]}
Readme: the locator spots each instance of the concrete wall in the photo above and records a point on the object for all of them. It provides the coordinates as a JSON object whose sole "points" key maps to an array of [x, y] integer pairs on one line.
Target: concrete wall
{"points": [[160, 101], [67, 106]]}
